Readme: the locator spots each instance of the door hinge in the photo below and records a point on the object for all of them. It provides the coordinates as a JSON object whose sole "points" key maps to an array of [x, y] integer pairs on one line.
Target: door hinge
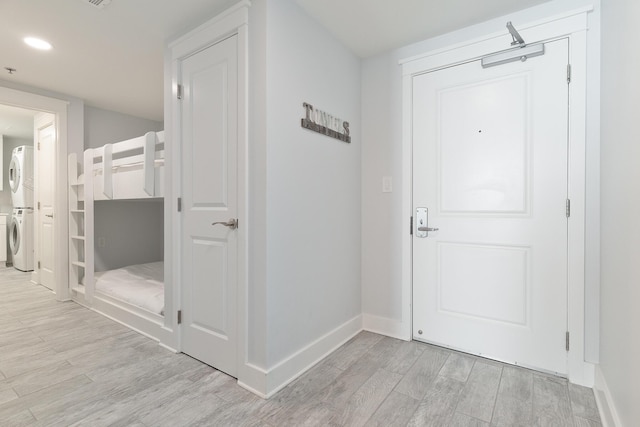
{"points": [[179, 91], [567, 341], [568, 208], [38, 205], [38, 146], [411, 225], [179, 204], [38, 265], [568, 73], [179, 317]]}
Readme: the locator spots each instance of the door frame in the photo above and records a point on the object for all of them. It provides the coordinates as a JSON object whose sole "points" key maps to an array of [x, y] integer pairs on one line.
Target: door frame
{"points": [[233, 21], [58, 108], [572, 25]]}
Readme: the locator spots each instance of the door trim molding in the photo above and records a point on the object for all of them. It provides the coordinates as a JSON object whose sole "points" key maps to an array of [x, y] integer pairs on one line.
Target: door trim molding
{"points": [[233, 21], [572, 25], [31, 101]]}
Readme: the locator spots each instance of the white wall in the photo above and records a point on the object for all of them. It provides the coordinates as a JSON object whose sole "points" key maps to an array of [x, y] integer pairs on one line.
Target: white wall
{"points": [[620, 289], [128, 232], [381, 155], [105, 127], [312, 184]]}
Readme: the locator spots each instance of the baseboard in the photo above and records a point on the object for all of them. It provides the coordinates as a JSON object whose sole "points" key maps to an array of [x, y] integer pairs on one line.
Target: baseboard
{"points": [[385, 326], [266, 383], [254, 379], [608, 414]]}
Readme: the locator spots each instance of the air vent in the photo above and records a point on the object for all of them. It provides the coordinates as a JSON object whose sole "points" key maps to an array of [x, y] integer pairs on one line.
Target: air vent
{"points": [[100, 4]]}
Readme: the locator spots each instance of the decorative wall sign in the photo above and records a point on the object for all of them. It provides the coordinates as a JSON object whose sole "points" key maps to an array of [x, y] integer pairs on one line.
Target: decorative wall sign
{"points": [[324, 123]]}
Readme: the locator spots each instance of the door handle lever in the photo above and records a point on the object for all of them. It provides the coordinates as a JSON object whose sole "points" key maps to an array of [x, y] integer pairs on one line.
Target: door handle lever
{"points": [[232, 223], [422, 223]]}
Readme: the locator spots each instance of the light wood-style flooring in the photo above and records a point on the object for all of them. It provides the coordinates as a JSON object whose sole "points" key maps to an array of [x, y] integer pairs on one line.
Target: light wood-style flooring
{"points": [[62, 365]]}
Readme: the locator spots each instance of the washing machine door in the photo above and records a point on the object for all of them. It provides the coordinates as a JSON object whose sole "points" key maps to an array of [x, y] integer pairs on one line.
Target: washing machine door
{"points": [[14, 173], [14, 236]]}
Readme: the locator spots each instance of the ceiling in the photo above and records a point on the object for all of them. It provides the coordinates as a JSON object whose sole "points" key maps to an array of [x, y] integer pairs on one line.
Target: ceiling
{"points": [[113, 57], [370, 27]]}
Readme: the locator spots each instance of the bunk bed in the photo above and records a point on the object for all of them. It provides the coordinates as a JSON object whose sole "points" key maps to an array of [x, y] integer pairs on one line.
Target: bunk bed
{"points": [[127, 170]]}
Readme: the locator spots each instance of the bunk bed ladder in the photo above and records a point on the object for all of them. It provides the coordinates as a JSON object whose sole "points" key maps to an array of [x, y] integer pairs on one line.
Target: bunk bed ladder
{"points": [[77, 236]]}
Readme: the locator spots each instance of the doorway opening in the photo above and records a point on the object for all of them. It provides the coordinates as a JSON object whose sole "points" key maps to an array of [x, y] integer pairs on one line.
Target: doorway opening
{"points": [[48, 117]]}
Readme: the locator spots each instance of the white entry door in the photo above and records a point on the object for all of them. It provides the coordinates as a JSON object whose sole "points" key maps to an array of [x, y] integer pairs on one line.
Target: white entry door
{"points": [[45, 134], [210, 195], [490, 165]]}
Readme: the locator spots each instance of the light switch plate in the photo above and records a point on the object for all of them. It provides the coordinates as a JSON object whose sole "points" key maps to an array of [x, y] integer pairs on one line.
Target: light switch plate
{"points": [[387, 184]]}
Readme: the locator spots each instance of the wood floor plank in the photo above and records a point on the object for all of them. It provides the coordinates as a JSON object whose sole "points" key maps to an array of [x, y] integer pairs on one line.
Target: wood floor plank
{"points": [[396, 411], [99, 395], [583, 402], [551, 405], [457, 367], [516, 383], [585, 422], [286, 404], [462, 420], [38, 379], [350, 352], [13, 334], [20, 419], [186, 407], [27, 345], [7, 393], [478, 397], [89, 354], [396, 355], [439, 403], [423, 372], [364, 402], [512, 412], [28, 361], [348, 381], [128, 410], [229, 415], [54, 392]]}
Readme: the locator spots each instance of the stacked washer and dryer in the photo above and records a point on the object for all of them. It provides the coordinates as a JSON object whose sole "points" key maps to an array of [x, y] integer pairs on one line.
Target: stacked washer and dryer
{"points": [[22, 222]]}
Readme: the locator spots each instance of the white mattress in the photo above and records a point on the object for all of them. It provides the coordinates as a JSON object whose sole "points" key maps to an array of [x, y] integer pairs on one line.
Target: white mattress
{"points": [[141, 285]]}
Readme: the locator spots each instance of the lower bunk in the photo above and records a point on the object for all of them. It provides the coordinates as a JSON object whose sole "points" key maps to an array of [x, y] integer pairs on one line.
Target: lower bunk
{"points": [[132, 296]]}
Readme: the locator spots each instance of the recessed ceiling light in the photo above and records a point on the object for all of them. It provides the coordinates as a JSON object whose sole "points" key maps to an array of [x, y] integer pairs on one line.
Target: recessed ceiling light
{"points": [[37, 43]]}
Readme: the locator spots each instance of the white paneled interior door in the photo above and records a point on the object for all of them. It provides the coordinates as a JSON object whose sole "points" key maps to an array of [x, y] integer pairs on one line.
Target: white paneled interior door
{"points": [[210, 195], [490, 165], [45, 134]]}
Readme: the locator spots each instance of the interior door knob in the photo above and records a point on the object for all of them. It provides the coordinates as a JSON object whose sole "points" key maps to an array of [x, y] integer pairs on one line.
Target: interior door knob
{"points": [[232, 223]]}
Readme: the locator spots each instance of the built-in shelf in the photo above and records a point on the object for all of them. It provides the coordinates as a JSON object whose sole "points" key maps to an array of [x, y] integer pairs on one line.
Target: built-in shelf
{"points": [[81, 238]]}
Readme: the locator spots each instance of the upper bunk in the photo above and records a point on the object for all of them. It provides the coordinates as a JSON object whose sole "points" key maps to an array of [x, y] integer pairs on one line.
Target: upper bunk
{"points": [[131, 169]]}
